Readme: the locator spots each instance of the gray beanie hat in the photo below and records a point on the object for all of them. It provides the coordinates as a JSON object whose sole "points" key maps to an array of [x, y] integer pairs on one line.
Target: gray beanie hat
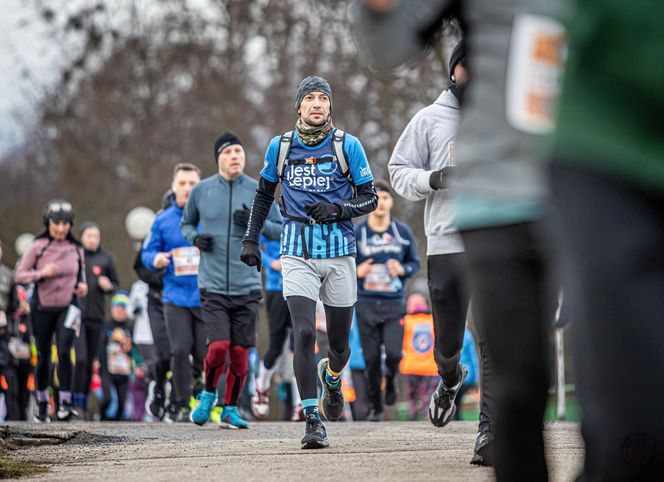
{"points": [[312, 84]]}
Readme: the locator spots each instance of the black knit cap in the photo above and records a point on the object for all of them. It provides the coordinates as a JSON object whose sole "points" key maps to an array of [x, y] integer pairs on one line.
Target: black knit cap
{"points": [[88, 225], [223, 141], [312, 84], [458, 54]]}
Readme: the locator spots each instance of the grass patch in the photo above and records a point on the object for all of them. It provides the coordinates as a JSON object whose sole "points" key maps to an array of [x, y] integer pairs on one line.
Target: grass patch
{"points": [[15, 468], [10, 468]]}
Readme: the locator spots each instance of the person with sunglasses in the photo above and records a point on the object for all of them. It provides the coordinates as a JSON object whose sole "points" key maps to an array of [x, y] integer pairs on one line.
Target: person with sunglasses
{"points": [[55, 264]]}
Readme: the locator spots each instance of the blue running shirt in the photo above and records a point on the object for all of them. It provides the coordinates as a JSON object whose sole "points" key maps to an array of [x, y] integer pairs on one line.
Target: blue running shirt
{"points": [[305, 184]]}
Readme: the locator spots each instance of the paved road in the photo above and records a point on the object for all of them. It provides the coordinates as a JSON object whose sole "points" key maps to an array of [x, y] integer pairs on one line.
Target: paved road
{"points": [[365, 451]]}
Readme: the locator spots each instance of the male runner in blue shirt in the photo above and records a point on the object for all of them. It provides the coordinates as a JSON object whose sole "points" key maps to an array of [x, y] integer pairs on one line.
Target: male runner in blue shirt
{"points": [[325, 182]]}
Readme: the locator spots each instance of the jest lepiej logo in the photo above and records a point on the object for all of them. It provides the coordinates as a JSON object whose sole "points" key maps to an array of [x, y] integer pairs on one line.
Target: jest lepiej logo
{"points": [[311, 177]]}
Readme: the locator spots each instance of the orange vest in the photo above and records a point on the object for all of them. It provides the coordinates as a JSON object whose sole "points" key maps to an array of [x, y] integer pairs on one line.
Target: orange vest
{"points": [[418, 342]]}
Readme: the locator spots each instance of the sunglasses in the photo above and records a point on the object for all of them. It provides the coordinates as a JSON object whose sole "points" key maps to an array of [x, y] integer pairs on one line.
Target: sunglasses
{"points": [[59, 207]]}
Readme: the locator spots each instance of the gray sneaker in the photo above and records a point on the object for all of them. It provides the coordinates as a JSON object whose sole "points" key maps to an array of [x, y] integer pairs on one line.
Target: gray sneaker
{"points": [[441, 406], [332, 398]]}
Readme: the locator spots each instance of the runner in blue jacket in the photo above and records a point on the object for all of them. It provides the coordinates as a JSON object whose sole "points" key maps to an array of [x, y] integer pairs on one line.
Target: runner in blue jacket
{"points": [[166, 248]]}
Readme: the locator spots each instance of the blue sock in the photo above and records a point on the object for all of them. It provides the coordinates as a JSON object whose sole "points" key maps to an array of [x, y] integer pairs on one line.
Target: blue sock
{"points": [[80, 400], [310, 407]]}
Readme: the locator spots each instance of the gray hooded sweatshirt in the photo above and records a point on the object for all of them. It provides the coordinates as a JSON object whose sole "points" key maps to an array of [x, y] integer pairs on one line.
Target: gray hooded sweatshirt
{"points": [[426, 145]]}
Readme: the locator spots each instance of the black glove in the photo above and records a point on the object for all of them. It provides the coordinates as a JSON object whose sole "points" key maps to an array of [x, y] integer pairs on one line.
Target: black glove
{"points": [[438, 179], [323, 212], [251, 254], [241, 216], [203, 242]]}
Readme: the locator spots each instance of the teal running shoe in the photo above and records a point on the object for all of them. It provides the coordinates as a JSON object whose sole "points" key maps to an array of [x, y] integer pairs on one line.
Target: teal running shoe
{"points": [[201, 414], [332, 398], [231, 418]]}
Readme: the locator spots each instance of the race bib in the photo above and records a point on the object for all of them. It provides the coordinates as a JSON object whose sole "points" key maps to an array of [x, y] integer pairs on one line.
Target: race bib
{"points": [[186, 260], [379, 279], [118, 361], [534, 74], [73, 319], [19, 349]]}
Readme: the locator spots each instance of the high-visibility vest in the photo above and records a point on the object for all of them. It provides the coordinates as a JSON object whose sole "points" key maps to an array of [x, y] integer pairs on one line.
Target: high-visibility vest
{"points": [[418, 343]]}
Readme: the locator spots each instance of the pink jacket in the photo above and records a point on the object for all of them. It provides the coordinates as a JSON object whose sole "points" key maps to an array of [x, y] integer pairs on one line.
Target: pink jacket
{"points": [[57, 291]]}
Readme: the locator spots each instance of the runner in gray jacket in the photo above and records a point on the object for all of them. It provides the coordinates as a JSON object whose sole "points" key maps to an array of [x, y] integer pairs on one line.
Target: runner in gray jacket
{"points": [[214, 220], [419, 165]]}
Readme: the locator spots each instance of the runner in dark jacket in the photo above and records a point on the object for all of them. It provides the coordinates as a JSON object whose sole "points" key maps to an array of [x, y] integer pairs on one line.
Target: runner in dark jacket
{"points": [[102, 280]]}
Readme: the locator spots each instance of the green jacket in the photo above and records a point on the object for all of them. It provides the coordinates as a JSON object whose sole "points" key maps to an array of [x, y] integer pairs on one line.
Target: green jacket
{"points": [[612, 108], [210, 209]]}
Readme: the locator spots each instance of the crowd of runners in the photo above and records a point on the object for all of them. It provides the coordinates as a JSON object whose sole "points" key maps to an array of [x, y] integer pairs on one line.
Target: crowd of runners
{"points": [[331, 265], [179, 345]]}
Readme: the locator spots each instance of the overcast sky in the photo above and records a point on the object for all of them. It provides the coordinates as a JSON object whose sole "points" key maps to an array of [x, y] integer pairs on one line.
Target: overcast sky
{"points": [[23, 50]]}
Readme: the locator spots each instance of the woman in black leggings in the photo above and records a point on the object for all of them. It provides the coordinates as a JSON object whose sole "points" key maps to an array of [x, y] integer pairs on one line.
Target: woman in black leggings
{"points": [[54, 263]]}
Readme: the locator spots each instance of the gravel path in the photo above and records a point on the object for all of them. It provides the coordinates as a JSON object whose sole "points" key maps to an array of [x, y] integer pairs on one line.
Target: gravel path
{"points": [[269, 451]]}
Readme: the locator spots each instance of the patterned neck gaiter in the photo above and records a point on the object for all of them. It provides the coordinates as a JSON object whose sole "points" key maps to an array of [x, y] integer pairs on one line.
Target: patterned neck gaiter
{"points": [[312, 135]]}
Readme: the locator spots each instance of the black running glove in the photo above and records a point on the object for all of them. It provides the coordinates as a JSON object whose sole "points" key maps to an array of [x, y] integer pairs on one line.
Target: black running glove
{"points": [[241, 216], [203, 242], [322, 211], [438, 179], [251, 254]]}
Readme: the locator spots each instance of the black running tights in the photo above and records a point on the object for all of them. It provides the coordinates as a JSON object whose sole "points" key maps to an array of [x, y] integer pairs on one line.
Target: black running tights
{"points": [[303, 315]]}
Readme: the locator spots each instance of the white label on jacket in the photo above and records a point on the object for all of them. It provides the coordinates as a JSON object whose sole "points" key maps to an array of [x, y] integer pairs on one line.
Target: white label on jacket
{"points": [[534, 73], [451, 153], [186, 260]]}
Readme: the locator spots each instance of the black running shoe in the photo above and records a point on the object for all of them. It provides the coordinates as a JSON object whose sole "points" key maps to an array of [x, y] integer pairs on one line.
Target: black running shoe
{"points": [[154, 403], [41, 415], [374, 416], [483, 454], [441, 406], [180, 415], [332, 398], [171, 413], [315, 436], [391, 391], [66, 412]]}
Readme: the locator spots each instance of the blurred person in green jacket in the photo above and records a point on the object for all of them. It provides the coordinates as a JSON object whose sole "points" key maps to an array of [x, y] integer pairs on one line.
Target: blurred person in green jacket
{"points": [[608, 191]]}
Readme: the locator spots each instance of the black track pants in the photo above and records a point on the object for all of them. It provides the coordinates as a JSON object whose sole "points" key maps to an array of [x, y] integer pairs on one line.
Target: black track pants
{"points": [[512, 306], [449, 306]]}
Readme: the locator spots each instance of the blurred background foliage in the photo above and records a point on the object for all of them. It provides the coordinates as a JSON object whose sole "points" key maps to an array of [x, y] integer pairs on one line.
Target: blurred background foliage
{"points": [[152, 83]]}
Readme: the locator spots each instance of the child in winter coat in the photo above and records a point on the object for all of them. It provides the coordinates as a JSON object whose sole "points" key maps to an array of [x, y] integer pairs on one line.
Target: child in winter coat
{"points": [[116, 355]]}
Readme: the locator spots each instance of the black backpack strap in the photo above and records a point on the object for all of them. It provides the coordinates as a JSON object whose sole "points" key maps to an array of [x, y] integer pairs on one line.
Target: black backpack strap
{"points": [[284, 149], [40, 254]]}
